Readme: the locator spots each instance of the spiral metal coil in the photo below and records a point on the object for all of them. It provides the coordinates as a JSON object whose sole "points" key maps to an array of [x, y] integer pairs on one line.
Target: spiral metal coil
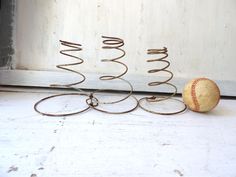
{"points": [[164, 54], [114, 43], [72, 47], [91, 101]]}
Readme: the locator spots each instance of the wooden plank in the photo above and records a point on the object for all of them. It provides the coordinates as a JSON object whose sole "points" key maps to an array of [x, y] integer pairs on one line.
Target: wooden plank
{"points": [[138, 144], [139, 82]]}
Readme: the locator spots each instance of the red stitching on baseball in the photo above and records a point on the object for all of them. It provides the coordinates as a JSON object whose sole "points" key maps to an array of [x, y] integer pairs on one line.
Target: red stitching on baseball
{"points": [[193, 93]]}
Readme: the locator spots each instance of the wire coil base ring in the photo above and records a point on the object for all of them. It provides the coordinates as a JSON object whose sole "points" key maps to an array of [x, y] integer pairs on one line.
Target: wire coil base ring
{"points": [[163, 99], [62, 114], [121, 112]]}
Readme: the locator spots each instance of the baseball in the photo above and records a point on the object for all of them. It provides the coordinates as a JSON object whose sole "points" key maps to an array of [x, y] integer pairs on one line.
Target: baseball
{"points": [[201, 95]]}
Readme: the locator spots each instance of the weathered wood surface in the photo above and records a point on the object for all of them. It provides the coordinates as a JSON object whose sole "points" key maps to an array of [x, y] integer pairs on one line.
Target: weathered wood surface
{"points": [[200, 36], [137, 144]]}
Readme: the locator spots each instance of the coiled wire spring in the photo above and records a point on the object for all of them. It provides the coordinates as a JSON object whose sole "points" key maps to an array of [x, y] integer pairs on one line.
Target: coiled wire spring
{"points": [[114, 43], [91, 101], [71, 47], [156, 99]]}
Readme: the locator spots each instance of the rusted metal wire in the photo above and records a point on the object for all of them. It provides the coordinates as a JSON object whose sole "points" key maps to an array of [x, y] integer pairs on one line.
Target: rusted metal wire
{"points": [[152, 99], [91, 100], [114, 43], [60, 114], [72, 47]]}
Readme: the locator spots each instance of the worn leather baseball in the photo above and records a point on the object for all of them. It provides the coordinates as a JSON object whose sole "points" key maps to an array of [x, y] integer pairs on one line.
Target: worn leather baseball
{"points": [[201, 95]]}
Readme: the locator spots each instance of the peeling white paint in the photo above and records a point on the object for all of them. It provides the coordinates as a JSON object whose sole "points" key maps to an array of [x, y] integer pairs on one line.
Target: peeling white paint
{"points": [[200, 35]]}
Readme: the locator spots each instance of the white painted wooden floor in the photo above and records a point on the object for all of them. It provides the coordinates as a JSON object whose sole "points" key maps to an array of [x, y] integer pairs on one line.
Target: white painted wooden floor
{"points": [[95, 144]]}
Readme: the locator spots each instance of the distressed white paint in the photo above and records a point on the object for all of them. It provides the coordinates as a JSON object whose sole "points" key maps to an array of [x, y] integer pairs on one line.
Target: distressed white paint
{"points": [[200, 35], [46, 78], [96, 144]]}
